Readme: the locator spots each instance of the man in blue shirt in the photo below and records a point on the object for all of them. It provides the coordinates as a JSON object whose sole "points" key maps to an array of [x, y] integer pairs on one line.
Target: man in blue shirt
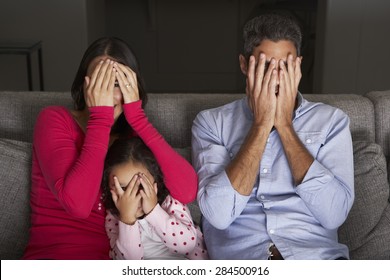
{"points": [[275, 170]]}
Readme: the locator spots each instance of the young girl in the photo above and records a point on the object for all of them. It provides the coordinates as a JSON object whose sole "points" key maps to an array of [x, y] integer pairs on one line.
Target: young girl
{"points": [[143, 221]]}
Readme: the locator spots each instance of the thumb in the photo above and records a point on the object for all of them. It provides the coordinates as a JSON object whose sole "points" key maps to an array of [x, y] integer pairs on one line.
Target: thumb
{"points": [[86, 81], [114, 196]]}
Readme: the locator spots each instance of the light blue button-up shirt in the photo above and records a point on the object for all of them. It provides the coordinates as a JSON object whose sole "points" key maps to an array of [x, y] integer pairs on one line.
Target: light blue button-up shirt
{"points": [[302, 221]]}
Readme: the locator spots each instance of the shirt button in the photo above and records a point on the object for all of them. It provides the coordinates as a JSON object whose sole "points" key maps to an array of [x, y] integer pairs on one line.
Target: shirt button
{"points": [[271, 231], [265, 170], [308, 141], [262, 196]]}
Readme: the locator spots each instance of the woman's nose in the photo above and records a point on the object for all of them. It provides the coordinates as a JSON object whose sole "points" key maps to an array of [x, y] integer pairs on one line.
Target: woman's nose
{"points": [[117, 95]]}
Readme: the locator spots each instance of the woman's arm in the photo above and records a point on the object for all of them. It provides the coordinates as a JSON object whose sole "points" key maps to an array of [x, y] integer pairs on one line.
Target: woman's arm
{"points": [[180, 177], [72, 174]]}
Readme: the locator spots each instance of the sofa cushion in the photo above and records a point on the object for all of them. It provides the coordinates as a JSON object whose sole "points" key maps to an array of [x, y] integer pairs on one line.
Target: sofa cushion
{"points": [[369, 213], [15, 158]]}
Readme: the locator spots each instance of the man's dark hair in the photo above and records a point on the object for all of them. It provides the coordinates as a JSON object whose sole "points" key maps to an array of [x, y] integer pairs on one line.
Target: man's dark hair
{"points": [[273, 27]]}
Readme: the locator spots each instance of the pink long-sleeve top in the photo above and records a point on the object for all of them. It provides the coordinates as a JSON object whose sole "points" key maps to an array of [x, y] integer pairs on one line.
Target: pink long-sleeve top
{"points": [[67, 212], [167, 232]]}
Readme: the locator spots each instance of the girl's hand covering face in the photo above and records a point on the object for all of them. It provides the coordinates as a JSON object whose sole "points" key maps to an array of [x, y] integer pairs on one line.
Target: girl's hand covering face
{"points": [[127, 201], [148, 193]]}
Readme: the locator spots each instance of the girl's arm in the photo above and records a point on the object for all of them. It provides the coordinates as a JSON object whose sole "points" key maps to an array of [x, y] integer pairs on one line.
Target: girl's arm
{"points": [[173, 223], [180, 177], [125, 240]]}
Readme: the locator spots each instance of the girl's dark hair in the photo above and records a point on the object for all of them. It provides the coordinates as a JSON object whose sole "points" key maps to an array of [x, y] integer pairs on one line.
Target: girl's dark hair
{"points": [[119, 51], [125, 150], [271, 26]]}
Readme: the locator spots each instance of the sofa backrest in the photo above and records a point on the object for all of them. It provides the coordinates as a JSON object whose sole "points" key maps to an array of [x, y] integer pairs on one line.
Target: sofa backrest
{"points": [[171, 113], [381, 101]]}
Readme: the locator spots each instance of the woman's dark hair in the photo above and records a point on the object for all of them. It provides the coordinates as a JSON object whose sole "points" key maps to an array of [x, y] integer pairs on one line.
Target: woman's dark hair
{"points": [[125, 150], [119, 51], [271, 26]]}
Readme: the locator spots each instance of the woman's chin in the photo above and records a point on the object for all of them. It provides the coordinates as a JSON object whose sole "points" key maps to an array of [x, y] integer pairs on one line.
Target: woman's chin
{"points": [[117, 111]]}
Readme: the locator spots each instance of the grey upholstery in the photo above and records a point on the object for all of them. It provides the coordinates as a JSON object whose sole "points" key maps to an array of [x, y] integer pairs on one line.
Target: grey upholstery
{"points": [[366, 231]]}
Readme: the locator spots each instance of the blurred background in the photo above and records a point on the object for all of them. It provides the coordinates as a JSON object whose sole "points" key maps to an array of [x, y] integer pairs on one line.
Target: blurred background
{"points": [[193, 45]]}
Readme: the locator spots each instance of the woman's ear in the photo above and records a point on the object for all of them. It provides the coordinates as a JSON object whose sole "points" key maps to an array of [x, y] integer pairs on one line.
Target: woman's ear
{"points": [[243, 64]]}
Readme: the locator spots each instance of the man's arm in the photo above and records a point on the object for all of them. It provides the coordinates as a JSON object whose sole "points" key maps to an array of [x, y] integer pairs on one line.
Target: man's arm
{"points": [[298, 156], [225, 184], [243, 169]]}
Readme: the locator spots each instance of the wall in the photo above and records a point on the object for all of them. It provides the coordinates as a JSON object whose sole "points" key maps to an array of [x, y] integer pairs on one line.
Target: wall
{"points": [[65, 27], [193, 46], [186, 45], [352, 54]]}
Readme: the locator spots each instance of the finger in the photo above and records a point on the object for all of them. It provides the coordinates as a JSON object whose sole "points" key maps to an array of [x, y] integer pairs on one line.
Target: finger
{"points": [[102, 74], [147, 186], [129, 73], [96, 72], [137, 187], [132, 186], [259, 75], [291, 70], [114, 196], [87, 81], [124, 85], [285, 77], [107, 76], [298, 71], [117, 187], [251, 73], [111, 83], [282, 83], [272, 82], [143, 195], [126, 78], [270, 73]]}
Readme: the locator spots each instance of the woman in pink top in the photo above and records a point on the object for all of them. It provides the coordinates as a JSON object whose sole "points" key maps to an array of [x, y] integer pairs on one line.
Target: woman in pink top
{"points": [[143, 221], [69, 148]]}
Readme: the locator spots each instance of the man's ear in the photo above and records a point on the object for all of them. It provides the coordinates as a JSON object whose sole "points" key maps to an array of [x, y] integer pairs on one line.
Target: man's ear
{"points": [[243, 64]]}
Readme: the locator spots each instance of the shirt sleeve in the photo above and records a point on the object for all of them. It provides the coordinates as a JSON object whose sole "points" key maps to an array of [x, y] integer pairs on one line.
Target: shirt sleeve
{"points": [[125, 240], [72, 174], [173, 223], [219, 202], [328, 187], [179, 176]]}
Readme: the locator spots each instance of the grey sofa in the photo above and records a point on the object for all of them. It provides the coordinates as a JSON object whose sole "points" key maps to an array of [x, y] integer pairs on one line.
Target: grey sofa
{"points": [[366, 231]]}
